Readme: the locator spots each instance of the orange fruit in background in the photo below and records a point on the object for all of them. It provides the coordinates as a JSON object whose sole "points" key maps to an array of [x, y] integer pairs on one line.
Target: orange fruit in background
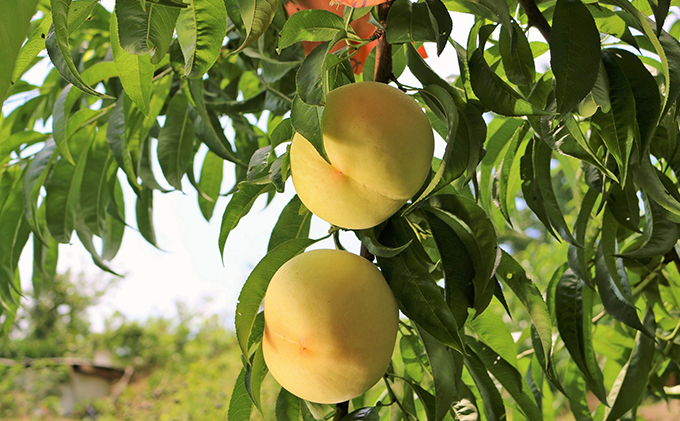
{"points": [[361, 3], [361, 26]]}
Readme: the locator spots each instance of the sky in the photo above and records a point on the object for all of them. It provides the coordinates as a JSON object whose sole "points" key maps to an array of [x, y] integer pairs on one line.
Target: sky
{"points": [[187, 268]]}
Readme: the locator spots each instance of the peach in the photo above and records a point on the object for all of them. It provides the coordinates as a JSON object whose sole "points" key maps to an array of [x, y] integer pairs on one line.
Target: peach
{"points": [[380, 145], [330, 325]]}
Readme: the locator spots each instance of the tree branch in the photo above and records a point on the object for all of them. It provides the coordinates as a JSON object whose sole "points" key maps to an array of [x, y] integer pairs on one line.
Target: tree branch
{"points": [[536, 18], [383, 51]]}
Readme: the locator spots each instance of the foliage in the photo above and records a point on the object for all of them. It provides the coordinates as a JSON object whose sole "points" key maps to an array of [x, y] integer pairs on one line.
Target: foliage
{"points": [[556, 199]]}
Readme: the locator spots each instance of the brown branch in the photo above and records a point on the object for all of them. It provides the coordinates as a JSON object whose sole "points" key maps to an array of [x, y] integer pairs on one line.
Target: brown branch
{"points": [[383, 51], [536, 18]]}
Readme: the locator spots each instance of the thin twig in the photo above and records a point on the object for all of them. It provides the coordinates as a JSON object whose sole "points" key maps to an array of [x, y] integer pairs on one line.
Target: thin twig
{"points": [[535, 18]]}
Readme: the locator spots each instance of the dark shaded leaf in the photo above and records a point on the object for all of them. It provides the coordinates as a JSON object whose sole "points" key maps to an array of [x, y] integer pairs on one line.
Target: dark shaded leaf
{"points": [[419, 296], [632, 380], [574, 53], [573, 308]]}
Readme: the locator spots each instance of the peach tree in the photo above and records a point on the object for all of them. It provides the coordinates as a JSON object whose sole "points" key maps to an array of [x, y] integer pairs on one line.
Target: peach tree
{"points": [[537, 266]]}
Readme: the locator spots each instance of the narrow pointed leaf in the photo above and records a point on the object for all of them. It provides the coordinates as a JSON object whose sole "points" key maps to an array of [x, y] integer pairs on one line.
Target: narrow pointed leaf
{"points": [[310, 25], [57, 43], [210, 183], [573, 322], [631, 382], [256, 15], [145, 31], [494, 93], [574, 53], [12, 35], [135, 71], [201, 29], [294, 222], [176, 141]]}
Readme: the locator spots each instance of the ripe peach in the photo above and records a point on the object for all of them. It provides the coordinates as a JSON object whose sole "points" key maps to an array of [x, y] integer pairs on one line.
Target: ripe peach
{"points": [[380, 145], [330, 325]]}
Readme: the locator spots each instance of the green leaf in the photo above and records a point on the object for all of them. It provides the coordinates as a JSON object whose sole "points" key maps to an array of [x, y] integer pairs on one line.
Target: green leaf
{"points": [[508, 376], [294, 222], [363, 414], [644, 89], [442, 25], [291, 408], [255, 373], [201, 29], [518, 60], [459, 271], [255, 287], [240, 404], [494, 93], [648, 179], [95, 187], [34, 179], [475, 230], [208, 127], [144, 215], [664, 235], [492, 330], [257, 15], [528, 293], [307, 120], [624, 205], [210, 183], [57, 43], [14, 231], [370, 240], [543, 178], [310, 25], [507, 178], [577, 255], [631, 383], [494, 408], [410, 22], [68, 98], [530, 188], [114, 226], [458, 153], [29, 51], [118, 142], [574, 53], [85, 236], [239, 206], [572, 308], [444, 373], [612, 280], [575, 386], [617, 127], [176, 141], [419, 296], [145, 31], [14, 32], [63, 189], [135, 71]]}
